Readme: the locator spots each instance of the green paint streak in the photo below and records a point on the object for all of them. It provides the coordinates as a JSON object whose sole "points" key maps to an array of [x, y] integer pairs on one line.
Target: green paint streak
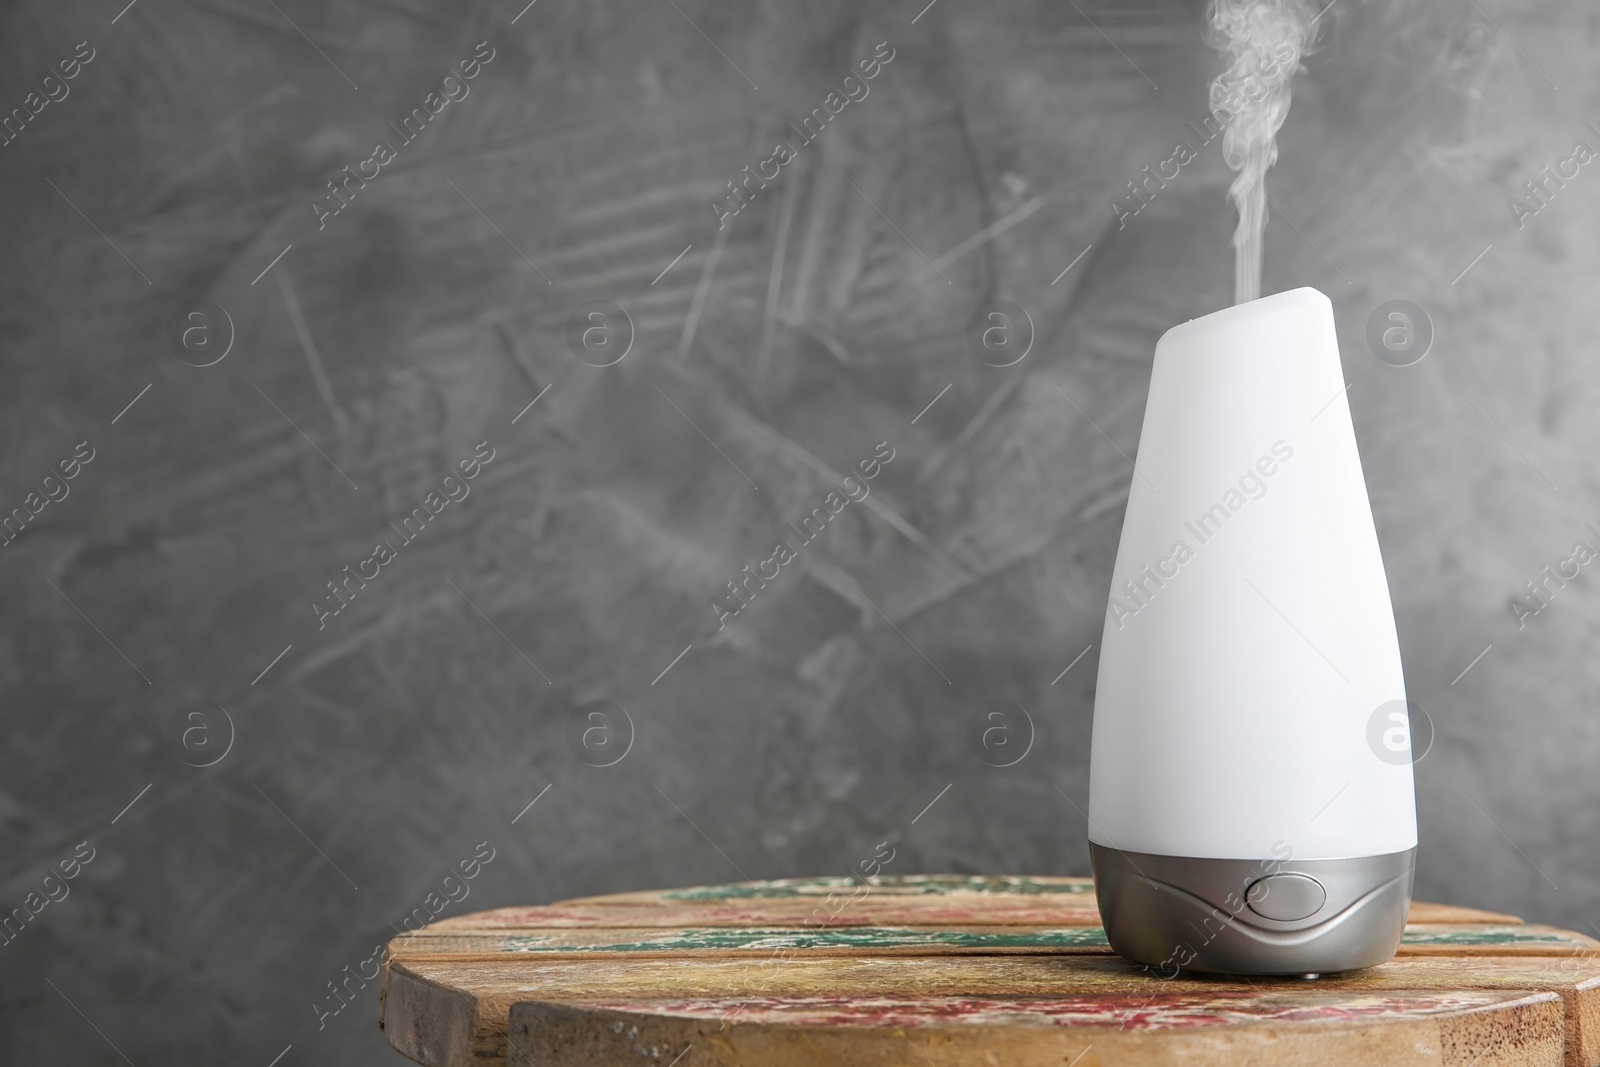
{"points": [[907, 885], [727, 939], [1491, 935], [869, 938], [866, 938]]}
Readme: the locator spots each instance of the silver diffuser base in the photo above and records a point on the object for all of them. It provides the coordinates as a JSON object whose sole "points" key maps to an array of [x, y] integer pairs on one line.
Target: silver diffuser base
{"points": [[1294, 917]]}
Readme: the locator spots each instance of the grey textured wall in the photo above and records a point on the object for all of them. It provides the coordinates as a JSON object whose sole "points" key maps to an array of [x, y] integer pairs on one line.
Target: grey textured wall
{"points": [[774, 354]]}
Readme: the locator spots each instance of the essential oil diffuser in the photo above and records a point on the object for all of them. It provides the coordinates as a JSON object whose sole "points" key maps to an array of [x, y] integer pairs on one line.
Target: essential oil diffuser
{"points": [[1239, 820]]}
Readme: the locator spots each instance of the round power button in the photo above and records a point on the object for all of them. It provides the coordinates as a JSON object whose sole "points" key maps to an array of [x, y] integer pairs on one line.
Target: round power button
{"points": [[1285, 897]]}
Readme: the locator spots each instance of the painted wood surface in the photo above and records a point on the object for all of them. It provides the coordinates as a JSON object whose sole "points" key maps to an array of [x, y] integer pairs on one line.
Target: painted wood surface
{"points": [[1463, 1031], [943, 885], [1446, 940], [955, 969], [947, 892], [992, 911]]}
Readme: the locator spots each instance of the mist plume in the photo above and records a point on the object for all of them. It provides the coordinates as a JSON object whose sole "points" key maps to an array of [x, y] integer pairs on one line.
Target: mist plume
{"points": [[1265, 41]]}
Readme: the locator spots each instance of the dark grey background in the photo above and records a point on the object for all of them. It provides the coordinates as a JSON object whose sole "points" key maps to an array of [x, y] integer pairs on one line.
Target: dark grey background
{"points": [[412, 727]]}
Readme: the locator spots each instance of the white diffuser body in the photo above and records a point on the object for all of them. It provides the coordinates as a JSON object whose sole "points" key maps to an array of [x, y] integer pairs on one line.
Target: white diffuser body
{"points": [[1240, 818]]}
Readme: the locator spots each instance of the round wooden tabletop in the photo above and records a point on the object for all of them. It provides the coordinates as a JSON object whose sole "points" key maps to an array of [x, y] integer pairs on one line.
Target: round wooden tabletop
{"points": [[936, 971]]}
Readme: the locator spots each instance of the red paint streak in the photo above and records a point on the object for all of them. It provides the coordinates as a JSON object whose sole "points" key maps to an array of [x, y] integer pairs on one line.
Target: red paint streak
{"points": [[1123, 1011]]}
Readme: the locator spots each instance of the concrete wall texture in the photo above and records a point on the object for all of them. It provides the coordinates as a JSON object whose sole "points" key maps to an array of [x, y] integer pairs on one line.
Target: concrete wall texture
{"points": [[256, 764]]}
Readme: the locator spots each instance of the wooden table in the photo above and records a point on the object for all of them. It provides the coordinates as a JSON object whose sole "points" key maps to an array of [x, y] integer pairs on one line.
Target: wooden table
{"points": [[946, 970]]}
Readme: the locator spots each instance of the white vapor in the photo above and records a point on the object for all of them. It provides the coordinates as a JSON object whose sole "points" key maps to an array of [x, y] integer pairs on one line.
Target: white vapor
{"points": [[1265, 41]]}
